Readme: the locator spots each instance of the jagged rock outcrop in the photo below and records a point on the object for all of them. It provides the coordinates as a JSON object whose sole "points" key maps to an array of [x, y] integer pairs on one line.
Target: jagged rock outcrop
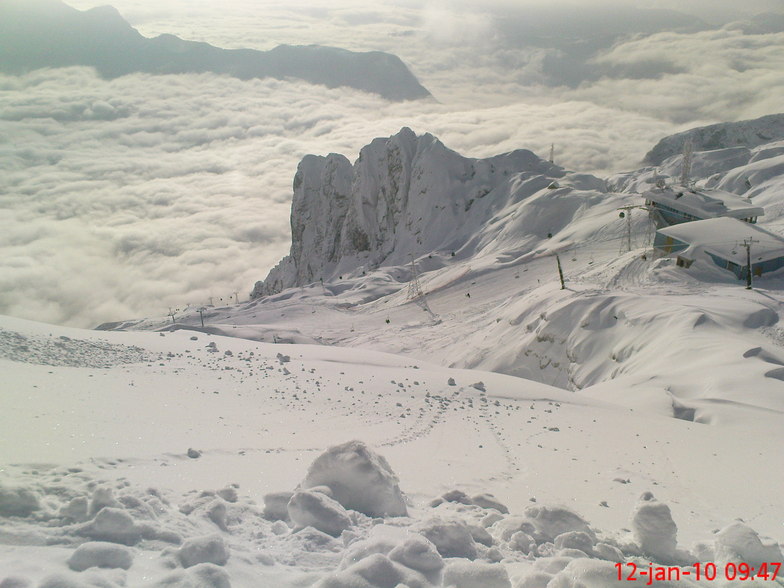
{"points": [[47, 33], [747, 133], [405, 196]]}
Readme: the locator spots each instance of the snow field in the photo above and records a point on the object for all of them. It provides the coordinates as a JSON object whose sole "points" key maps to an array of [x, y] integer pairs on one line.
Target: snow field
{"points": [[114, 478]]}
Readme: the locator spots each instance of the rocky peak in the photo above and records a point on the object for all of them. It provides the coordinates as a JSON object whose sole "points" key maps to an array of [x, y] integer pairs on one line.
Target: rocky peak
{"points": [[405, 196]]}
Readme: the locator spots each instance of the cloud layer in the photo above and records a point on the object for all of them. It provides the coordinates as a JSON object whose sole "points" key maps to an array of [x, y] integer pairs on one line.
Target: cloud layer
{"points": [[124, 198]]}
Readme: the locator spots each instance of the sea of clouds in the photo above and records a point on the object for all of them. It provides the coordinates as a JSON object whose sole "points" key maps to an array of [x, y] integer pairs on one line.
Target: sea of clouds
{"points": [[128, 197]]}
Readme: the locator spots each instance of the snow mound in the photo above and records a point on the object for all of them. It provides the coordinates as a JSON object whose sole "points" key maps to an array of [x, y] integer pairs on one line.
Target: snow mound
{"points": [[375, 571], [317, 510], [419, 554], [654, 530], [18, 502], [575, 540], [204, 575], [208, 549], [359, 478], [276, 505], [100, 555], [113, 525], [452, 538], [740, 543], [551, 521], [462, 574]]}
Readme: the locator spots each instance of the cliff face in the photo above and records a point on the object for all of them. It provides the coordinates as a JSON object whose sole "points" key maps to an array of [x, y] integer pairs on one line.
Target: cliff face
{"points": [[405, 196]]}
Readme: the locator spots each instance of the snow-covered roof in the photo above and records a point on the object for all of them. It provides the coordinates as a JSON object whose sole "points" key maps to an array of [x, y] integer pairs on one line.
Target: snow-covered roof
{"points": [[704, 203], [724, 237]]}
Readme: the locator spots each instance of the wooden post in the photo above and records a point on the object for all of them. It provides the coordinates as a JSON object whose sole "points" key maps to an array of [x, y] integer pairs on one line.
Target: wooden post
{"points": [[560, 271]]}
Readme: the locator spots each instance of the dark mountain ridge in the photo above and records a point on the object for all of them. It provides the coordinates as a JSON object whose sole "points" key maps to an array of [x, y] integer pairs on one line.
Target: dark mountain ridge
{"points": [[37, 34]]}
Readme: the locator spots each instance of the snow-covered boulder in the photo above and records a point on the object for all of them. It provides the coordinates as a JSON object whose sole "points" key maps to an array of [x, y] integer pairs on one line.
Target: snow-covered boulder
{"points": [[463, 574], [654, 530], [359, 478], [98, 554], [740, 543], [317, 510], [208, 549]]}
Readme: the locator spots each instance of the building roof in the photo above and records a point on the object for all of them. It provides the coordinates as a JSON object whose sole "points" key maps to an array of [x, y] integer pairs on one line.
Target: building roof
{"points": [[724, 237], [704, 203]]}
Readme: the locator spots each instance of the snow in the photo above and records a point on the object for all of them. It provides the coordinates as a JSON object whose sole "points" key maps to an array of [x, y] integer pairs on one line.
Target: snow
{"points": [[317, 510], [476, 575], [208, 549], [654, 530], [704, 204], [101, 555], [359, 479], [501, 439], [725, 237], [739, 542]]}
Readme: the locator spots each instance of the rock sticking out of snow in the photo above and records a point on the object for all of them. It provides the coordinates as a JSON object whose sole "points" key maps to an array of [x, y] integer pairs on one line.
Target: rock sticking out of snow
{"points": [[198, 550], [359, 478], [317, 510], [97, 554], [476, 575], [654, 530]]}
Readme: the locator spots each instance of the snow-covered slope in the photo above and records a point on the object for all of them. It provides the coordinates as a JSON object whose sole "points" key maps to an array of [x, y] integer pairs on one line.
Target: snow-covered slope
{"points": [[633, 416], [614, 326], [169, 459], [747, 133]]}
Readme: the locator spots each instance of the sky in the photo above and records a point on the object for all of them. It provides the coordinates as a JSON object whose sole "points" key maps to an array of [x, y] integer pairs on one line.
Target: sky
{"points": [[129, 197]]}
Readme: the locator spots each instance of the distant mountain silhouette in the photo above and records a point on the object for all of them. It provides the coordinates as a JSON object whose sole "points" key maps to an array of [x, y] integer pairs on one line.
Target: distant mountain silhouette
{"points": [[48, 33]]}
